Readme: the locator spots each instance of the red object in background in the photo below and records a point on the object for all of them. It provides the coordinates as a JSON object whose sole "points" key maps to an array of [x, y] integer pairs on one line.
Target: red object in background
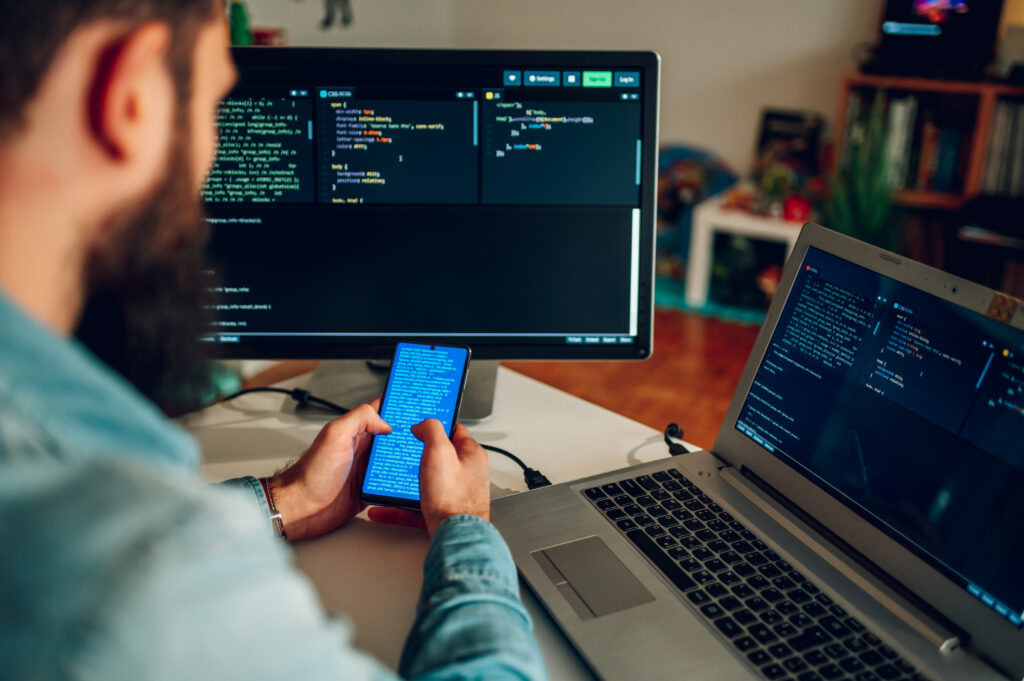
{"points": [[797, 209], [270, 37]]}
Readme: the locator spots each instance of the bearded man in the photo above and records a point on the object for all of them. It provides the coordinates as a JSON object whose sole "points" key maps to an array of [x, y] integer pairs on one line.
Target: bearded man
{"points": [[118, 562]]}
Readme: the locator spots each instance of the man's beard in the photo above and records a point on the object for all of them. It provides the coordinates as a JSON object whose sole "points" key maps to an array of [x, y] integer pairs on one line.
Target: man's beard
{"points": [[147, 299]]}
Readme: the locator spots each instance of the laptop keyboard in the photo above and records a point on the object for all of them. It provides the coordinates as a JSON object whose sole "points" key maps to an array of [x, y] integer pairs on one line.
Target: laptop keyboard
{"points": [[778, 620]]}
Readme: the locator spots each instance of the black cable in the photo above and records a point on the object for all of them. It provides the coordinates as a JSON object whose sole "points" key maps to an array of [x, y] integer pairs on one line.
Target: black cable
{"points": [[531, 476], [674, 448], [303, 397]]}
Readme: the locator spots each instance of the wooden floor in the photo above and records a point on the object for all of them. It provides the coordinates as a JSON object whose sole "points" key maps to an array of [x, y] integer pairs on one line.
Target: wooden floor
{"points": [[689, 379]]}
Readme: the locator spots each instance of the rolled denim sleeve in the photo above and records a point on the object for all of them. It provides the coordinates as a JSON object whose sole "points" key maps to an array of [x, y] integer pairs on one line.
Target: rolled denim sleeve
{"points": [[470, 622], [250, 485]]}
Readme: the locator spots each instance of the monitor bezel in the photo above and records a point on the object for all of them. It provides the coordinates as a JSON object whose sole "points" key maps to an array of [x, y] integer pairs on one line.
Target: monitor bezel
{"points": [[289, 58], [991, 635]]}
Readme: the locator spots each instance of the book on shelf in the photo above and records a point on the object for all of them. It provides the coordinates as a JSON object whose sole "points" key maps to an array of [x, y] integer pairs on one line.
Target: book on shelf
{"points": [[1003, 172]]}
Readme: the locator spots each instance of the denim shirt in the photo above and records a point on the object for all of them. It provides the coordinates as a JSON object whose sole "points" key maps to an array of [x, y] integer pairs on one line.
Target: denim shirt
{"points": [[118, 563]]}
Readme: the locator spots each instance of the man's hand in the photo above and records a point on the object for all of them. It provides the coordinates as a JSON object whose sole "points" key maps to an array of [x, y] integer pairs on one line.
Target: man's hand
{"points": [[320, 491], [453, 479]]}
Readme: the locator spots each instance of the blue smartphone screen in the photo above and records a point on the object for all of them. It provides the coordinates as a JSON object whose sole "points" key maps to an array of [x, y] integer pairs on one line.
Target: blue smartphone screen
{"points": [[424, 384]]}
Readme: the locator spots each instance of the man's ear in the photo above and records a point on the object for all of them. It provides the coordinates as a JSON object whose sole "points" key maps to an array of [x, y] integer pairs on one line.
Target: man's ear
{"points": [[131, 91]]}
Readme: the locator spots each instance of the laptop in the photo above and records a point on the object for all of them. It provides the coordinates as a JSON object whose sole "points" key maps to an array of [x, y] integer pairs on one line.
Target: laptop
{"points": [[860, 515]]}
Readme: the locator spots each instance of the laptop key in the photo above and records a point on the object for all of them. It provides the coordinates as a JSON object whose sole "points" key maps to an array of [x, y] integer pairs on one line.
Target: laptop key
{"points": [[834, 626], [730, 603], [783, 583], [633, 509], [715, 565], [854, 624], [771, 617], [623, 500], [716, 590], [647, 482], [728, 627], [855, 644], [743, 591], [705, 535], [798, 596], [779, 651], [794, 665], [759, 657], [678, 553], [830, 672], [682, 514], [799, 619], [698, 597], [888, 672], [605, 504], [772, 595], [671, 486], [671, 505], [654, 531], [785, 629], [667, 521], [631, 488], [690, 542], [594, 493], [643, 519], [712, 610], [679, 532], [703, 577], [810, 638], [660, 495], [773, 671], [744, 616], [787, 608], [835, 650], [815, 610], [615, 514], [757, 604], [809, 676], [815, 658], [758, 582], [728, 578], [693, 525], [867, 676], [744, 643], [717, 525], [656, 511], [743, 570], [675, 474], [645, 501], [702, 553], [871, 658], [612, 489], [762, 633], [851, 664], [666, 542], [905, 666], [694, 504], [661, 476], [626, 524], [667, 566], [718, 546], [682, 495]]}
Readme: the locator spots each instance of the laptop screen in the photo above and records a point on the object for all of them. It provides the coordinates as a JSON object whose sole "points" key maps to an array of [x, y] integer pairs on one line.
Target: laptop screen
{"points": [[908, 409]]}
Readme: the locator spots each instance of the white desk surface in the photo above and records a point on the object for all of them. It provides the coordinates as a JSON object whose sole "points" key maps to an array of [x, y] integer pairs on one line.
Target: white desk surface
{"points": [[372, 573]]}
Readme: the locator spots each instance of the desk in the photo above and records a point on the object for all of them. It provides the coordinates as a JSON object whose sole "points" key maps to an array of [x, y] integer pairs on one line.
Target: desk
{"points": [[563, 436]]}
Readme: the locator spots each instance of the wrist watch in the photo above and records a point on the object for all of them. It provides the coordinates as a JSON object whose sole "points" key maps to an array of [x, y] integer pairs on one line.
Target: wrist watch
{"points": [[275, 516]]}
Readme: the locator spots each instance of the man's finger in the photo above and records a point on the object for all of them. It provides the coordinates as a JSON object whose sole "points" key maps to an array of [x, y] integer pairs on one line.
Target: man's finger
{"points": [[368, 419], [430, 432], [375, 403], [386, 515]]}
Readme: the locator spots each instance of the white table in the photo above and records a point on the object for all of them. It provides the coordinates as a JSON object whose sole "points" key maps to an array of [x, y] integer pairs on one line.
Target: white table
{"points": [[708, 218], [561, 435]]}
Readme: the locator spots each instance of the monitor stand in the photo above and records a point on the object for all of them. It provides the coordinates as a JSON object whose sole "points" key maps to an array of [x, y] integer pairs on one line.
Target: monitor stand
{"points": [[350, 383]]}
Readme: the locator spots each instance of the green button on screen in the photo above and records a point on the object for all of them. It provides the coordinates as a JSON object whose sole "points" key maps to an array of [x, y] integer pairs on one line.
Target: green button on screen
{"points": [[597, 79]]}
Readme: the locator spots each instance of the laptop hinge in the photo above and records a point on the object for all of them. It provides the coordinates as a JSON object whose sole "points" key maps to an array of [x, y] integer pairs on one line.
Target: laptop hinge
{"points": [[766, 498]]}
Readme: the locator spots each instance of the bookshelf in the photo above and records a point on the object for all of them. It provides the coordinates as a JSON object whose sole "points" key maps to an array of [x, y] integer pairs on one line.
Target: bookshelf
{"points": [[967, 108]]}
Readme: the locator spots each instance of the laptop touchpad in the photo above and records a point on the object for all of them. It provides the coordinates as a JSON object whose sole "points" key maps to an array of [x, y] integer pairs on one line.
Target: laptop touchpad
{"points": [[591, 578]]}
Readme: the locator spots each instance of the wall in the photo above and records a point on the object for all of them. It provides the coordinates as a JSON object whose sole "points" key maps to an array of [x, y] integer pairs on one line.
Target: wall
{"points": [[722, 60], [378, 23]]}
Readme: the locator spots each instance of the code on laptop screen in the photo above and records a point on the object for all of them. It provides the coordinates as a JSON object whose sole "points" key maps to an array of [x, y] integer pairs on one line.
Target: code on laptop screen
{"points": [[908, 409]]}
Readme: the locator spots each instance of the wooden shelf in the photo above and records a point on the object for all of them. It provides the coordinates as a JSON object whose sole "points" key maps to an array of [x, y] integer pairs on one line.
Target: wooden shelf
{"points": [[914, 198], [962, 87]]}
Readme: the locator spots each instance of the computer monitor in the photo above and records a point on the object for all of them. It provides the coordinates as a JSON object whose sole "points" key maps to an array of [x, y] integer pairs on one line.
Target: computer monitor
{"points": [[500, 199]]}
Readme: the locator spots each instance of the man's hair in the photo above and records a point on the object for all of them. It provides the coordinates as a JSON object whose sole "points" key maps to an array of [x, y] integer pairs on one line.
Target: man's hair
{"points": [[33, 31]]}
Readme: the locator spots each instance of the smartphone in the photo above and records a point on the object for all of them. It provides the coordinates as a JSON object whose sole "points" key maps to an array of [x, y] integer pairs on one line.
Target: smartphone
{"points": [[426, 382]]}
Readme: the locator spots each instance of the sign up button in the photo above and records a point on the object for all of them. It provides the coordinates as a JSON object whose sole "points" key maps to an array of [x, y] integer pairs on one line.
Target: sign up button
{"points": [[597, 79]]}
